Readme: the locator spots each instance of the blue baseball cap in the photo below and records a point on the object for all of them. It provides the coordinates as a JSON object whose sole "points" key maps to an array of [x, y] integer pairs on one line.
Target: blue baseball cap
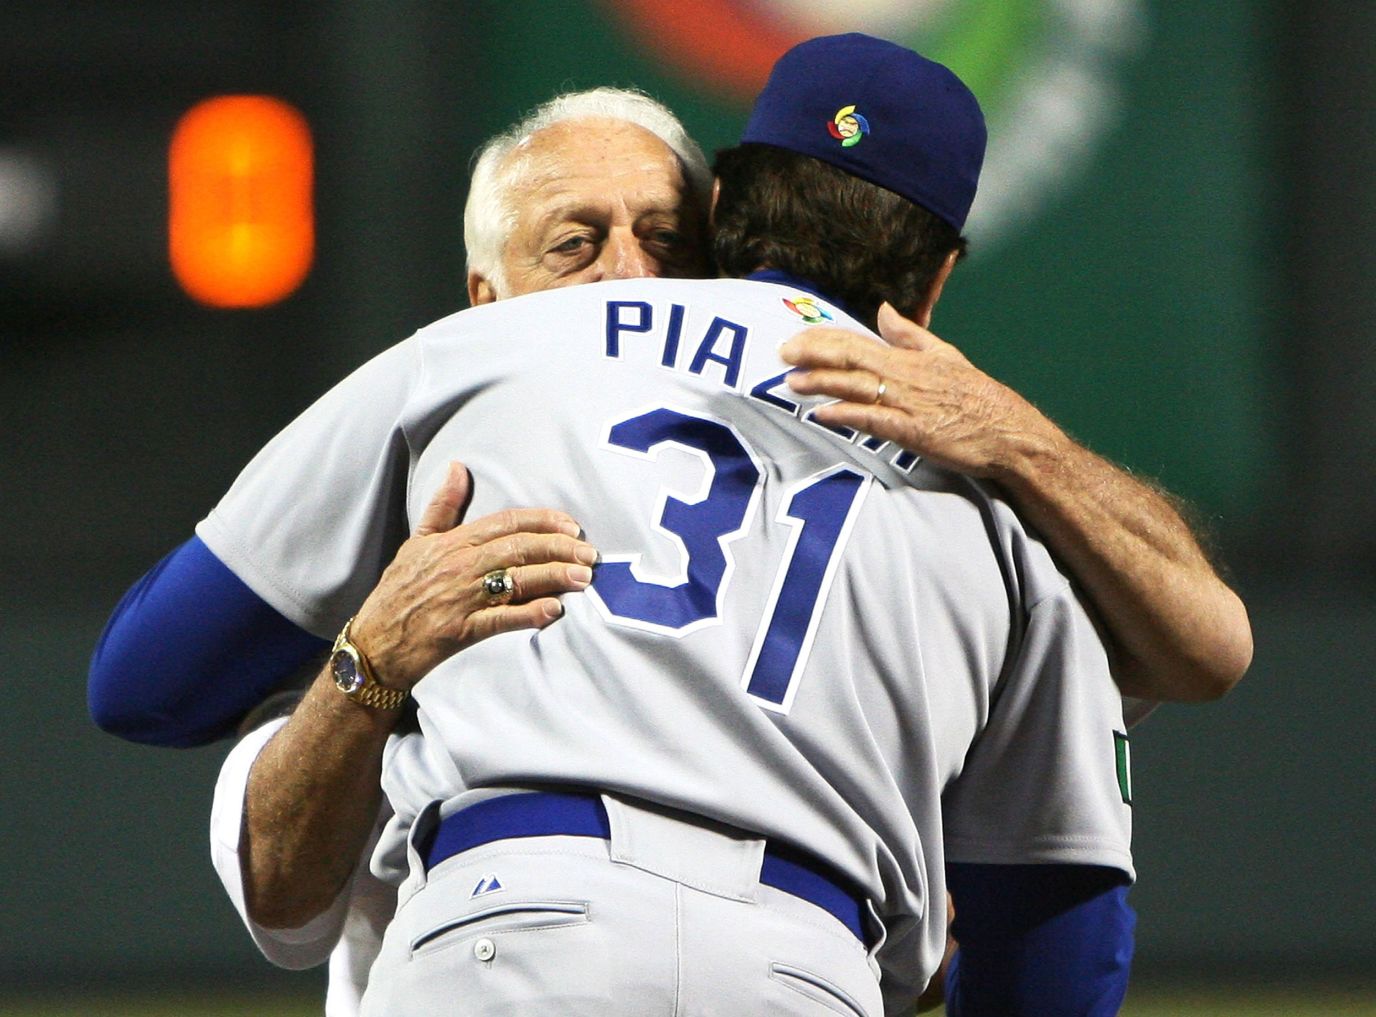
{"points": [[881, 112]]}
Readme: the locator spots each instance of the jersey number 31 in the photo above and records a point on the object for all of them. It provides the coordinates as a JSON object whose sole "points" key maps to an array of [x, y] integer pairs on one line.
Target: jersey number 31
{"points": [[818, 512]]}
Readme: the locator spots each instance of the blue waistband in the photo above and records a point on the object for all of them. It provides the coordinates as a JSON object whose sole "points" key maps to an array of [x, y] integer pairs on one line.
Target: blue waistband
{"points": [[569, 814]]}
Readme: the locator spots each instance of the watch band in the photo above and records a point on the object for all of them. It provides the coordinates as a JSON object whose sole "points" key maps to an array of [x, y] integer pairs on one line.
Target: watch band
{"points": [[380, 697], [369, 691]]}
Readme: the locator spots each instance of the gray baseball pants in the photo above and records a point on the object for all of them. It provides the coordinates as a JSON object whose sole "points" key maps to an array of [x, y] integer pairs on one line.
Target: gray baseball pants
{"points": [[661, 917]]}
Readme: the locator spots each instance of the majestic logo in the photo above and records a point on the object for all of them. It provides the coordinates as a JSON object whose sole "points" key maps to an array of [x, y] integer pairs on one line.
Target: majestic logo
{"points": [[488, 884], [809, 310], [848, 126]]}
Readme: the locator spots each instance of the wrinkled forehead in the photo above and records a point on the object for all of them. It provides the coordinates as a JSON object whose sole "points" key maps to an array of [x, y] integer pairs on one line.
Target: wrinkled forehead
{"points": [[608, 157]]}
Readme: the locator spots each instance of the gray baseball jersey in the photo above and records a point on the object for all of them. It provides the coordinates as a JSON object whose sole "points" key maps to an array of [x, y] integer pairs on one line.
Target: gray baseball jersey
{"points": [[802, 633]]}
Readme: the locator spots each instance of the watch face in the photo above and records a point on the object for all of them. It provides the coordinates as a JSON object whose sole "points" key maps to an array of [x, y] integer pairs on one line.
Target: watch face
{"points": [[346, 673]]}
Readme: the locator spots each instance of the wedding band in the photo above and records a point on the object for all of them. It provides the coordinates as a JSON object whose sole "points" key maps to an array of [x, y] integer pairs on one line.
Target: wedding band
{"points": [[498, 586], [879, 395]]}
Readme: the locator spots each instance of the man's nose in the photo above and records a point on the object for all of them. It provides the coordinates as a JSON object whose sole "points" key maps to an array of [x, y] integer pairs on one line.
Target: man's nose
{"points": [[626, 258]]}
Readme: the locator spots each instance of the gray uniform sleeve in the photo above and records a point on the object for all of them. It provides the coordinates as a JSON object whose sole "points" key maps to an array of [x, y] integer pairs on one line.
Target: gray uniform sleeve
{"points": [[315, 517], [1041, 781]]}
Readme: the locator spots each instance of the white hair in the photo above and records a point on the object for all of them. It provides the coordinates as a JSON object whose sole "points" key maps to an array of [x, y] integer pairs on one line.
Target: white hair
{"points": [[488, 216]]}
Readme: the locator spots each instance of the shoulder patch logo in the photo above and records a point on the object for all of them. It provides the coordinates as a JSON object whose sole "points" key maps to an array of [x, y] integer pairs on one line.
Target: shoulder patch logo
{"points": [[1123, 757], [809, 310], [848, 126]]}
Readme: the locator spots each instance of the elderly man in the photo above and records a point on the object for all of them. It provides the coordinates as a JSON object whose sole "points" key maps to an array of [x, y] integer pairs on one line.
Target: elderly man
{"points": [[610, 187], [556, 258]]}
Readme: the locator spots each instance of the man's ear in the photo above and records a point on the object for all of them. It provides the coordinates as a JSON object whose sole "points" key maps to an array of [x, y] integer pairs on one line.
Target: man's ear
{"points": [[480, 291], [923, 314]]}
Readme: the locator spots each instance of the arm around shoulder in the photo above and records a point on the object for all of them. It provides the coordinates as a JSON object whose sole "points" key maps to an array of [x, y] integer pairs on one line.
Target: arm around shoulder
{"points": [[1179, 632]]}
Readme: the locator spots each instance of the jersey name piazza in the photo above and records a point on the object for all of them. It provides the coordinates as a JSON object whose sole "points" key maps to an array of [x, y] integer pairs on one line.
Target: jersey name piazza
{"points": [[722, 346]]}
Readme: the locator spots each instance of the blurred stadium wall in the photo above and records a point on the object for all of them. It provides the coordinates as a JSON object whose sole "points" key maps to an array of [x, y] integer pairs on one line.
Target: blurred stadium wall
{"points": [[1173, 257]]}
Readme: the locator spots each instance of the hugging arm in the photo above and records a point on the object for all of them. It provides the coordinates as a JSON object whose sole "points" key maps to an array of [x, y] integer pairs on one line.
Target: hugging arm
{"points": [[1179, 633]]}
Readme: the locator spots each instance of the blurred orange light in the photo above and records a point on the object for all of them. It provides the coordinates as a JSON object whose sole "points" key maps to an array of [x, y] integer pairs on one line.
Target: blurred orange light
{"points": [[241, 222]]}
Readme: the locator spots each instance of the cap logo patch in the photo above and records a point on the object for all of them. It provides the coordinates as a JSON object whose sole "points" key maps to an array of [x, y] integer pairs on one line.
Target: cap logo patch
{"points": [[848, 126], [809, 310]]}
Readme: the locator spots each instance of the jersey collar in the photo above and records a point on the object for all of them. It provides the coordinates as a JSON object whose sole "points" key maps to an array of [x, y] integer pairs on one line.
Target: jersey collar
{"points": [[773, 275]]}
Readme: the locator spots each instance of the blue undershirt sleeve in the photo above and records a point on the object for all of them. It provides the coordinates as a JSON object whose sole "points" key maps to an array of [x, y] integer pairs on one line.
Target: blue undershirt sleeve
{"points": [[1049, 940], [189, 651]]}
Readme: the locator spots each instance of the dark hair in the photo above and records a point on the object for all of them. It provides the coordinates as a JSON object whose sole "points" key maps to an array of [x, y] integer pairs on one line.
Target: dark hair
{"points": [[859, 243]]}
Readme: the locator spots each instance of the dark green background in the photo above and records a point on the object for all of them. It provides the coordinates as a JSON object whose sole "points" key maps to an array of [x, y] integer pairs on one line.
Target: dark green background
{"points": [[1195, 305]]}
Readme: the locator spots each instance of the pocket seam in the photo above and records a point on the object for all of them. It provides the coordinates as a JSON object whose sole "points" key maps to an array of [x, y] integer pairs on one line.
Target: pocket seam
{"points": [[826, 993], [562, 914]]}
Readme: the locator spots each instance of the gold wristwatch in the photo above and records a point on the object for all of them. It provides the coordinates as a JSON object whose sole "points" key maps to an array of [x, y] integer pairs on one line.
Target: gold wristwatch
{"points": [[354, 678]]}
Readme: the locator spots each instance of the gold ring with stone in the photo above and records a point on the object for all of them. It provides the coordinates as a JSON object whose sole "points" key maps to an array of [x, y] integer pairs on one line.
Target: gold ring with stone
{"points": [[498, 586]]}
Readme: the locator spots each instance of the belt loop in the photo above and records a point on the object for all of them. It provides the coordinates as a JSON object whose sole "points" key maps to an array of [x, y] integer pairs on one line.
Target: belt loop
{"points": [[418, 841], [696, 852]]}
